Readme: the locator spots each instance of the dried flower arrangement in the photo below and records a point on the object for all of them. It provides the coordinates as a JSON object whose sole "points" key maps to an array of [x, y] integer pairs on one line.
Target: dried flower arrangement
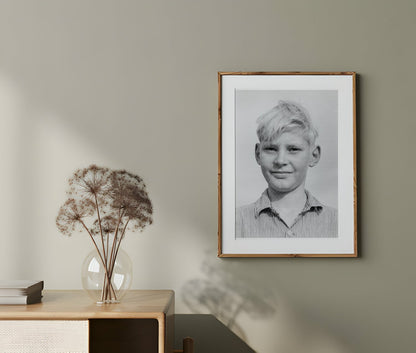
{"points": [[105, 203]]}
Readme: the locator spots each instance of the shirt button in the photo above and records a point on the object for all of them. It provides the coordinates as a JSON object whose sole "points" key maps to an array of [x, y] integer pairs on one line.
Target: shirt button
{"points": [[290, 234]]}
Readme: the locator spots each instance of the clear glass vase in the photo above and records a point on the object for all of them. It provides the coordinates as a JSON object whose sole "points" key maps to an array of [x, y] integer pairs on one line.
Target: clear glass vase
{"points": [[95, 277]]}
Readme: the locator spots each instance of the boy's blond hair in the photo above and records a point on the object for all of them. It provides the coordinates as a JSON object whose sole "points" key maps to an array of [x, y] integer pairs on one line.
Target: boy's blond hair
{"points": [[286, 117]]}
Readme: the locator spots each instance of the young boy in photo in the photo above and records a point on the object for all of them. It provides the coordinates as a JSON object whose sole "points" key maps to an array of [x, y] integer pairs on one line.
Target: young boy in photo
{"points": [[286, 150]]}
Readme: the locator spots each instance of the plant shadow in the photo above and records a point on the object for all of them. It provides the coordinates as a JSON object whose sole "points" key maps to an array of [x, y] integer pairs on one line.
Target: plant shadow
{"points": [[226, 292]]}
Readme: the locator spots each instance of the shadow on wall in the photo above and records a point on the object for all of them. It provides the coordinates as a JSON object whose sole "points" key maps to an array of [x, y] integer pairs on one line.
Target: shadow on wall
{"points": [[225, 294], [246, 300]]}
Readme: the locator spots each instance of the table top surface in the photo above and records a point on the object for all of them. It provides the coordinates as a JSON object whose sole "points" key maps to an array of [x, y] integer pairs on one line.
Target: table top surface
{"points": [[77, 305]]}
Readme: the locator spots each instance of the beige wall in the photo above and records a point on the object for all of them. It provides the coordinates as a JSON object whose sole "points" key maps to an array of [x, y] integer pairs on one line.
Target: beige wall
{"points": [[132, 84]]}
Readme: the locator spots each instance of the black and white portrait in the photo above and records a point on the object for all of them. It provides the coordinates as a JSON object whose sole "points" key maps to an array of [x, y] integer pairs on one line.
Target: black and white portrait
{"points": [[286, 164]]}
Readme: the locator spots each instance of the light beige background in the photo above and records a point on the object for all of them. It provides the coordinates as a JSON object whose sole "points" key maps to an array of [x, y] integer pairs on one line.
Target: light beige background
{"points": [[133, 84]]}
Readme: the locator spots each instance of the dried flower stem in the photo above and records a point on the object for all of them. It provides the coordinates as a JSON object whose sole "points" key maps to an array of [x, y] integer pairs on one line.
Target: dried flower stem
{"points": [[101, 227], [113, 248], [107, 276], [107, 286], [118, 247]]}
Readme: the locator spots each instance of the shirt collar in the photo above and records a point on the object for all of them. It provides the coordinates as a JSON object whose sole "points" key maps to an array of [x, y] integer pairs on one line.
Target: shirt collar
{"points": [[264, 203]]}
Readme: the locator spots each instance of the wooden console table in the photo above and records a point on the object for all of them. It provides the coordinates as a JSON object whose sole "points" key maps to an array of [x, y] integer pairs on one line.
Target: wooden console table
{"points": [[142, 322]]}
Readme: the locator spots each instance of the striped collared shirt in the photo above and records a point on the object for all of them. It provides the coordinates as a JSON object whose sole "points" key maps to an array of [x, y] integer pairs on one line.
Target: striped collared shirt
{"points": [[260, 220]]}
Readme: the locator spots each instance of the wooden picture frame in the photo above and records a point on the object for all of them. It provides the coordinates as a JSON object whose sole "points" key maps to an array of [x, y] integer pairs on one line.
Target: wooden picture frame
{"points": [[282, 191]]}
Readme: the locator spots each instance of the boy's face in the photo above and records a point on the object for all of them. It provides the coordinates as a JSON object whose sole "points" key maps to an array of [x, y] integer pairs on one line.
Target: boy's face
{"points": [[284, 160]]}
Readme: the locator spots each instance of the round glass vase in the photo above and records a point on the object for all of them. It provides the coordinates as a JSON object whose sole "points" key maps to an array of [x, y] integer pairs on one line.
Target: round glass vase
{"points": [[95, 279]]}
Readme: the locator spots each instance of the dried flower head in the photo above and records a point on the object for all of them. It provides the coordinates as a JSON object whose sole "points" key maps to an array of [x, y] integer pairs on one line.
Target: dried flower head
{"points": [[89, 182], [72, 213], [108, 225], [116, 198], [128, 194]]}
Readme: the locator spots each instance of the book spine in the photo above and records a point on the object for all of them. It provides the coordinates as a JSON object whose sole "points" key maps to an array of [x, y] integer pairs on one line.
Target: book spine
{"points": [[10, 291], [16, 300], [13, 292]]}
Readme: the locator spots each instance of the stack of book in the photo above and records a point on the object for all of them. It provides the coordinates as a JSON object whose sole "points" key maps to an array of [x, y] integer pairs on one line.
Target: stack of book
{"points": [[20, 291]]}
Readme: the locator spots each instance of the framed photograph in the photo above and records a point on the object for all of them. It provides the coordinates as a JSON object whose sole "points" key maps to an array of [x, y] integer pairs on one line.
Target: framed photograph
{"points": [[287, 164]]}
